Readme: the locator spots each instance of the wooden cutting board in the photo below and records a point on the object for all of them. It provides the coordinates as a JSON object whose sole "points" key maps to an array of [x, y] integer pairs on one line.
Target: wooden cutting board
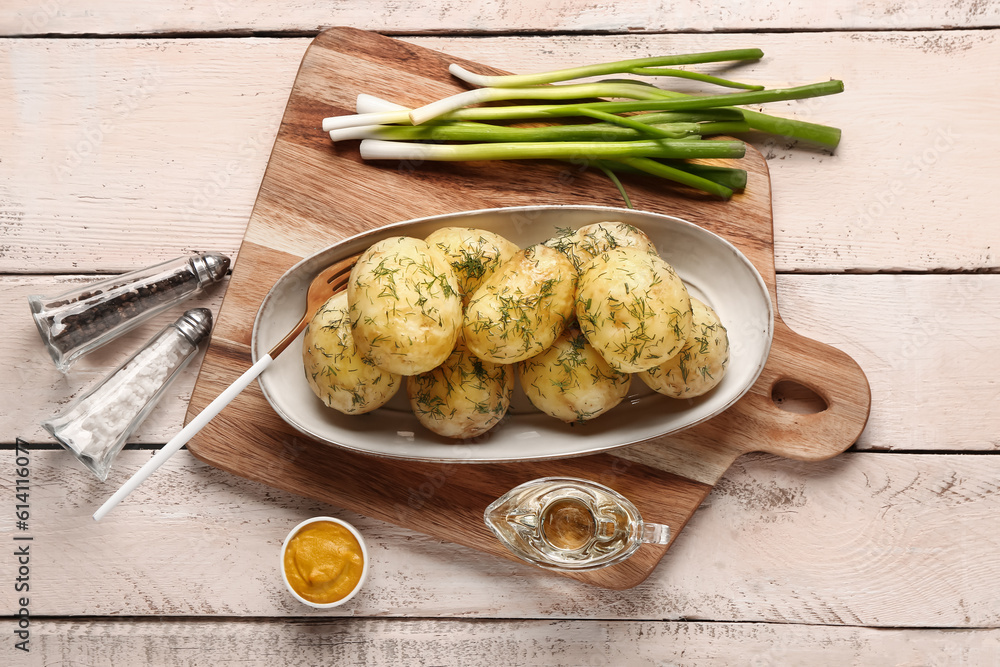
{"points": [[314, 194]]}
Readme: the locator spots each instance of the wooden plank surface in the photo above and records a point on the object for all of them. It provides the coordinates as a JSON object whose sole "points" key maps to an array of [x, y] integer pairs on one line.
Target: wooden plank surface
{"points": [[24, 17], [189, 126], [880, 540], [113, 153], [891, 202], [542, 643]]}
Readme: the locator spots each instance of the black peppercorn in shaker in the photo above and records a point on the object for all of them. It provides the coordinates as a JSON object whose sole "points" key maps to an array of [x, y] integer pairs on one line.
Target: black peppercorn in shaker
{"points": [[87, 317]]}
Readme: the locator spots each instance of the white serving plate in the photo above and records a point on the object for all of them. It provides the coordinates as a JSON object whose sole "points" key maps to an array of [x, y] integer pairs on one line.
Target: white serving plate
{"points": [[713, 269]]}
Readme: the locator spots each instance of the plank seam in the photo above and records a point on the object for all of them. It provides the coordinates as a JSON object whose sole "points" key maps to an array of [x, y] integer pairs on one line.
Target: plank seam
{"points": [[312, 620], [292, 34]]}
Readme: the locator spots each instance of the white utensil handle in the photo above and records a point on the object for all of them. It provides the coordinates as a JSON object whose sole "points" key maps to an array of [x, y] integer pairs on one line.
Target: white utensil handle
{"points": [[188, 432]]}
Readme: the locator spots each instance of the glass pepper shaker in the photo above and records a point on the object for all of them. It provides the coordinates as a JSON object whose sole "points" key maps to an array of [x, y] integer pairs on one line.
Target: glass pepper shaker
{"points": [[564, 523], [87, 317], [95, 427]]}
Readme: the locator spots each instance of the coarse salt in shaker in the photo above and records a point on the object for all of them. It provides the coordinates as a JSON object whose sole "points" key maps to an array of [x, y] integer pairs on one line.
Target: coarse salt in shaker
{"points": [[87, 317], [95, 427]]}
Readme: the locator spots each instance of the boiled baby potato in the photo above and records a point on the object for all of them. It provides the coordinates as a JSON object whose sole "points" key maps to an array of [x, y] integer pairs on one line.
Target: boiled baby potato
{"points": [[405, 308], [603, 236], [571, 381], [336, 372], [522, 308], [583, 244], [633, 308], [462, 398], [474, 255], [700, 364]]}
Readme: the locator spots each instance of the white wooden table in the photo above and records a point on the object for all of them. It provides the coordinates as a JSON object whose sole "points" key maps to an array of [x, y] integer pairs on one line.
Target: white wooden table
{"points": [[135, 132]]}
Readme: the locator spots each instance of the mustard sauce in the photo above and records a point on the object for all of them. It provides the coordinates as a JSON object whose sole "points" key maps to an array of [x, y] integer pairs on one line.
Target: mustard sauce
{"points": [[323, 562]]}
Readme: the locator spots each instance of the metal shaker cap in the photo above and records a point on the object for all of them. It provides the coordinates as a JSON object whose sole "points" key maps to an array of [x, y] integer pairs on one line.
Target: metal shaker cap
{"points": [[195, 324], [210, 267]]}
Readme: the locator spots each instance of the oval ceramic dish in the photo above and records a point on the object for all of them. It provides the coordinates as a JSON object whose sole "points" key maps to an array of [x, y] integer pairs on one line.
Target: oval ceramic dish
{"points": [[713, 269]]}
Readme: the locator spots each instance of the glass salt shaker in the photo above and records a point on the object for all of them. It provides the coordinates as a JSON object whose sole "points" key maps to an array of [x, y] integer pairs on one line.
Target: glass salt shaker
{"points": [[95, 427], [563, 523], [89, 316]]}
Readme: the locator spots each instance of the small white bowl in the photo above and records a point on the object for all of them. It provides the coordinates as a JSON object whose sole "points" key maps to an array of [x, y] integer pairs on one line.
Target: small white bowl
{"points": [[364, 568]]}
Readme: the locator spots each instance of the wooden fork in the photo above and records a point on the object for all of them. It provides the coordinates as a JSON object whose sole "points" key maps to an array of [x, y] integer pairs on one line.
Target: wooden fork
{"points": [[330, 281]]}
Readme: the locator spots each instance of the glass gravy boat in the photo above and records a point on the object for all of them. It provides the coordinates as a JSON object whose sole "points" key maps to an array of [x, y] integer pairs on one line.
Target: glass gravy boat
{"points": [[563, 523]]}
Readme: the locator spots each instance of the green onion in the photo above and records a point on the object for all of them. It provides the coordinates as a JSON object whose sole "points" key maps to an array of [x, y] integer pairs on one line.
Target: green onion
{"points": [[796, 129], [570, 91], [482, 132], [617, 67], [734, 179], [626, 121], [731, 177], [677, 175], [389, 114], [686, 103], [448, 104], [689, 116], [369, 103], [373, 118], [375, 149], [695, 76]]}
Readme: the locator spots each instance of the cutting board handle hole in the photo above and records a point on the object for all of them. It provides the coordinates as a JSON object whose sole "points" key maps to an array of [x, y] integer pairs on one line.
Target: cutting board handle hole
{"points": [[791, 396]]}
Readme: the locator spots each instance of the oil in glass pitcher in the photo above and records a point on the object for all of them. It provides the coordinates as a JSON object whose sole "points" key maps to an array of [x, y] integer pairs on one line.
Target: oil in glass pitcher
{"points": [[562, 523]]}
